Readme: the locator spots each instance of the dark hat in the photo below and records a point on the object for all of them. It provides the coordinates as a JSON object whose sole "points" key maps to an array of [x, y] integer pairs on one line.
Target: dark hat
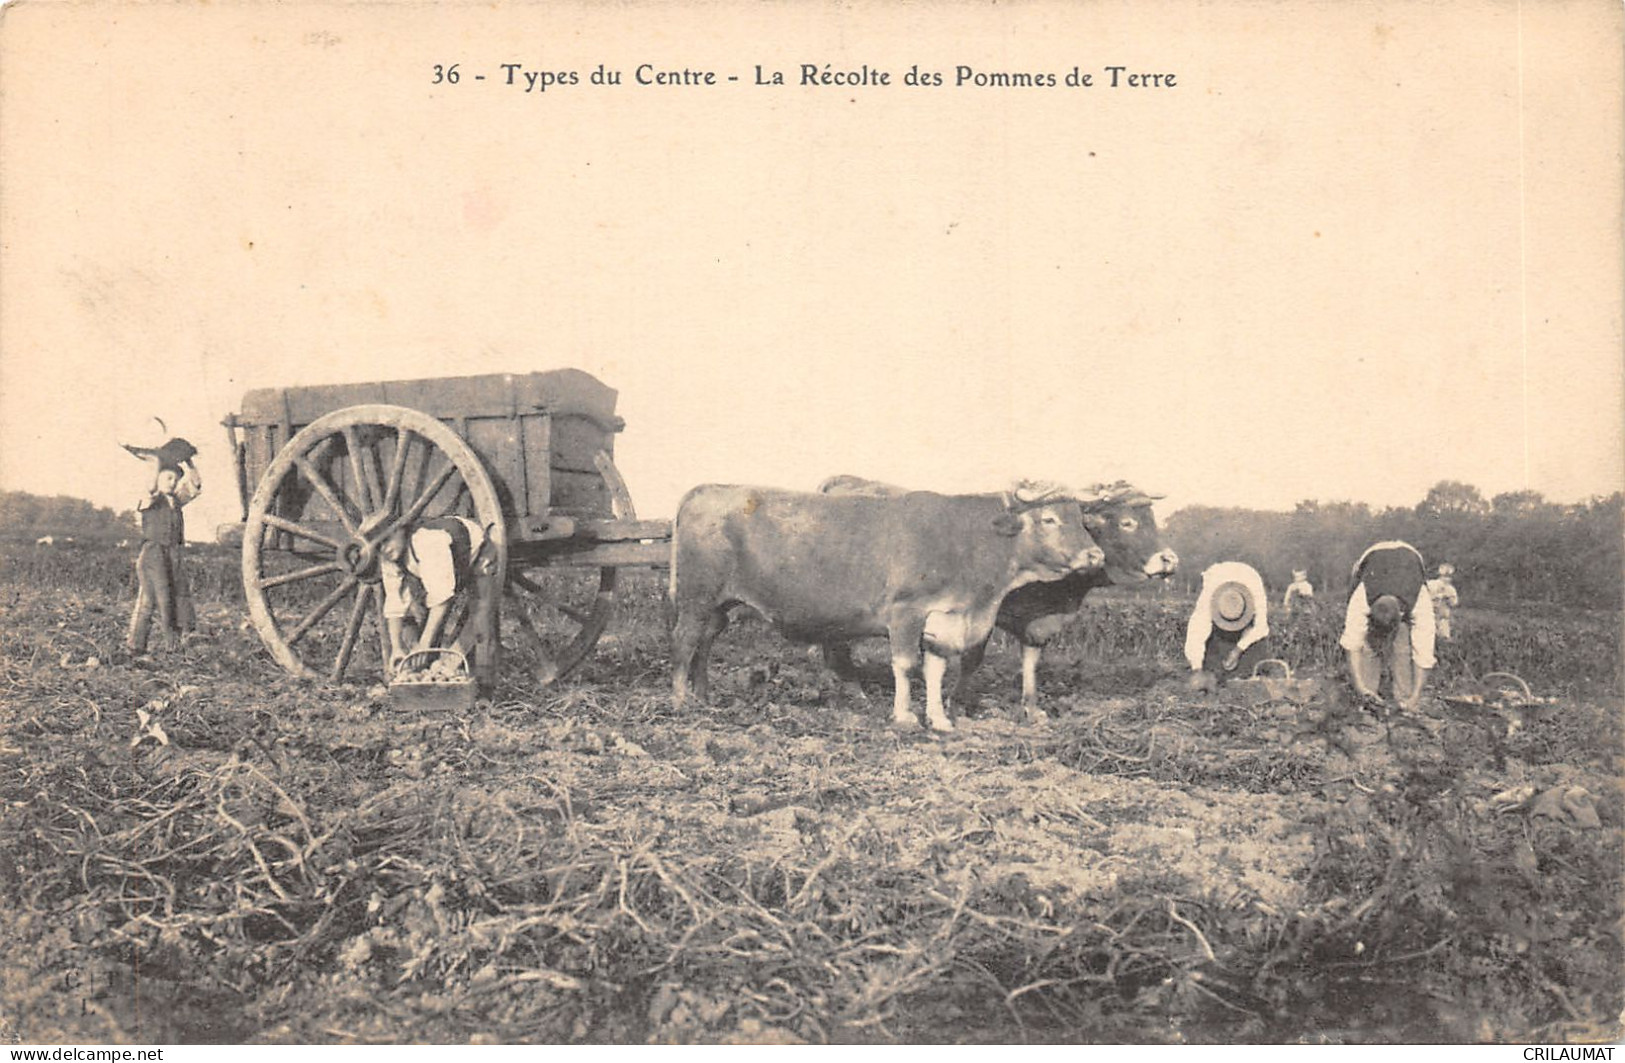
{"points": [[173, 452], [1232, 606]]}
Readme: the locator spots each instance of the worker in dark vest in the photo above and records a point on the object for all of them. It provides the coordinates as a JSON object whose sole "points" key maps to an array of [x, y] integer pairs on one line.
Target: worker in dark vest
{"points": [[1228, 631], [423, 570], [163, 590], [1390, 618]]}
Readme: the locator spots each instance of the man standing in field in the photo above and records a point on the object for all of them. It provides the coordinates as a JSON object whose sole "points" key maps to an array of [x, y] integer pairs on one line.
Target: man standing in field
{"points": [[1229, 627], [1445, 599], [423, 570], [163, 587], [1389, 616]]}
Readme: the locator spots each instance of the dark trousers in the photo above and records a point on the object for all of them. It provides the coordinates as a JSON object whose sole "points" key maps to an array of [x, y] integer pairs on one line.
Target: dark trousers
{"points": [[1219, 645], [163, 593]]}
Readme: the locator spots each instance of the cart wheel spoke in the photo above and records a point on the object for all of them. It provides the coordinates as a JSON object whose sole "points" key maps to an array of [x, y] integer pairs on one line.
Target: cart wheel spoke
{"points": [[397, 469], [384, 648], [562, 614], [352, 629], [325, 489], [358, 473], [323, 607], [301, 574], [426, 495], [274, 521], [369, 468], [577, 616]]}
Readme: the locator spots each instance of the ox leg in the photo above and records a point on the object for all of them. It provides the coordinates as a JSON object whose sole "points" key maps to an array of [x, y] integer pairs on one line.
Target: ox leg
{"points": [[905, 658], [936, 665], [685, 639], [691, 638], [715, 624], [1029, 684], [838, 659], [946, 636], [969, 662]]}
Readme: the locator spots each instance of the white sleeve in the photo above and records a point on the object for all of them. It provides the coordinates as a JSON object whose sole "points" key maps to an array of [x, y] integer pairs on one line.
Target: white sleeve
{"points": [[435, 566], [1355, 621], [190, 486], [1199, 628], [1260, 627], [1422, 630], [394, 581]]}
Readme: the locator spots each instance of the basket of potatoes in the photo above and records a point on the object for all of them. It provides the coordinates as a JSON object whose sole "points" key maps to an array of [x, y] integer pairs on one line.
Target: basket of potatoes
{"points": [[433, 679]]}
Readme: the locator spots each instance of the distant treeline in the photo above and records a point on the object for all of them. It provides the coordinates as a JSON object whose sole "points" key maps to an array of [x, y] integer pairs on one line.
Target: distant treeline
{"points": [[22, 513], [1512, 548]]}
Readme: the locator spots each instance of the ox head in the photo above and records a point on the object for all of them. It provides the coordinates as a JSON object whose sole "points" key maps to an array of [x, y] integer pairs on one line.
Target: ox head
{"points": [[1120, 519], [1050, 530]]}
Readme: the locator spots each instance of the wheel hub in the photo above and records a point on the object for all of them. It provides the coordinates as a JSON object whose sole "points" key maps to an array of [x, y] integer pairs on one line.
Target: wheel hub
{"points": [[360, 559]]}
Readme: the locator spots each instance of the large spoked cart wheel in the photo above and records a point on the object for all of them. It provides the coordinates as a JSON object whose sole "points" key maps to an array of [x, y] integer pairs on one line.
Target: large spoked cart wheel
{"points": [[327, 500], [337, 468]]}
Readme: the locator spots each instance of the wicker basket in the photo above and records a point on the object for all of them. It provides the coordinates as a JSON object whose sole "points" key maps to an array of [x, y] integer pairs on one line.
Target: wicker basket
{"points": [[1259, 688], [441, 693]]}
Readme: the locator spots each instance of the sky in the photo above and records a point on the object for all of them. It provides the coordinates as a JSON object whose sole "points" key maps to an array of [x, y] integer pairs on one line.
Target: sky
{"points": [[1355, 249]]}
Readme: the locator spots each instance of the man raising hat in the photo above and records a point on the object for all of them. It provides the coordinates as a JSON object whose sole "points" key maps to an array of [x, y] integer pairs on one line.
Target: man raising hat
{"points": [[1390, 616], [1228, 628]]}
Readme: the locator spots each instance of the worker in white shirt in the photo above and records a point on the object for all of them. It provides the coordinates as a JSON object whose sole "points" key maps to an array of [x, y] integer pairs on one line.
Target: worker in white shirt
{"points": [[423, 570], [1389, 618], [1228, 630]]}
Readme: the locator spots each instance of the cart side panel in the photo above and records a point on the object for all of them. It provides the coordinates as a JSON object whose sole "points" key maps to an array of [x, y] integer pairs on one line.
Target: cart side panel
{"points": [[496, 441], [537, 433]]}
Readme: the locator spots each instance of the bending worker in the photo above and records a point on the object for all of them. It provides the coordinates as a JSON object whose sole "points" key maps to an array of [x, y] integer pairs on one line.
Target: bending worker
{"points": [[1228, 628], [1390, 616], [442, 557]]}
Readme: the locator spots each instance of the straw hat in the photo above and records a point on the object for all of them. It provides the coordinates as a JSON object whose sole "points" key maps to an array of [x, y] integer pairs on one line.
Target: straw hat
{"points": [[1232, 606]]}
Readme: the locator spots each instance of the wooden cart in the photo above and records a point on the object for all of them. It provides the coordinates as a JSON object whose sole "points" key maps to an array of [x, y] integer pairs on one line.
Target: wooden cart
{"points": [[324, 474]]}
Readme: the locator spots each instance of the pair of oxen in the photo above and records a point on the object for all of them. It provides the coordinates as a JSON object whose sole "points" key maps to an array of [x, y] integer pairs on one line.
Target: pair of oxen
{"points": [[933, 573]]}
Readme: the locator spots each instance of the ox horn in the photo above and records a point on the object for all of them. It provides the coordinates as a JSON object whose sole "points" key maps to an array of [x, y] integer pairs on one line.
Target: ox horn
{"points": [[1037, 492], [1121, 493]]}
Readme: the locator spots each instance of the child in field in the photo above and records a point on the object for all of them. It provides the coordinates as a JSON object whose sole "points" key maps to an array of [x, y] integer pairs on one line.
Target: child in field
{"points": [[163, 585], [1300, 593], [1445, 600]]}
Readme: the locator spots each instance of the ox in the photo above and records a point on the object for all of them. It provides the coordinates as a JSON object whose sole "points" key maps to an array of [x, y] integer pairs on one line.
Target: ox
{"points": [[1120, 519], [922, 569]]}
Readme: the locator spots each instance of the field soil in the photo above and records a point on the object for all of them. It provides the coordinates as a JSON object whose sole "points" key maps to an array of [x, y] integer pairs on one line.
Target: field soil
{"points": [[200, 848]]}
